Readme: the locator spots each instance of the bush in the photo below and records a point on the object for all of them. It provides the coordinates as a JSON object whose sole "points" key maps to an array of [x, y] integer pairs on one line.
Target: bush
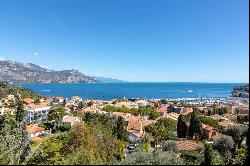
{"points": [[192, 157], [63, 128], [170, 146]]}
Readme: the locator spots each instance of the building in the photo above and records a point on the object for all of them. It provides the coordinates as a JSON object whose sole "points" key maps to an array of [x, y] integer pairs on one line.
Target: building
{"points": [[135, 129], [70, 120], [210, 133], [186, 110], [162, 110], [175, 109], [36, 113], [34, 130]]}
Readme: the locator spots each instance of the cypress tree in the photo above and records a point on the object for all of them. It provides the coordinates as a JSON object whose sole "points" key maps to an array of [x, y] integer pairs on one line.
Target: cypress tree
{"points": [[195, 125], [181, 127], [20, 112]]}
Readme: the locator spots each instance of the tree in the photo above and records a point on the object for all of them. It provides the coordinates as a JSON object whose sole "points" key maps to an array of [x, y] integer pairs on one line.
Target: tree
{"points": [[192, 157], [83, 156], [50, 151], [224, 145], [20, 114], [240, 157], [140, 157], [120, 129], [56, 113], [238, 133], [170, 146], [195, 125], [181, 127], [121, 150], [14, 142], [217, 159], [208, 154]]}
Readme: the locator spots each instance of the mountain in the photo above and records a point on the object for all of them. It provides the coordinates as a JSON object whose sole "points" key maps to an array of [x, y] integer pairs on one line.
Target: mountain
{"points": [[107, 80], [16, 72], [241, 91]]}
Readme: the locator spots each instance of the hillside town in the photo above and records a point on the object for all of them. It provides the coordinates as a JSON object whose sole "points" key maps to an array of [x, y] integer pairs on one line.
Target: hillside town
{"points": [[48, 116]]}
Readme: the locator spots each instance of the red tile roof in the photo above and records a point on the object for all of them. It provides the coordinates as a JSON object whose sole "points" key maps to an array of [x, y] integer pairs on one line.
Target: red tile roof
{"points": [[187, 145], [162, 109], [33, 128]]}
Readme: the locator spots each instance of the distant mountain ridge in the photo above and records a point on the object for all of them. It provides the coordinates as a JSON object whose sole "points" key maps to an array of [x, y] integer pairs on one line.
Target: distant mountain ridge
{"points": [[16, 72], [108, 80]]}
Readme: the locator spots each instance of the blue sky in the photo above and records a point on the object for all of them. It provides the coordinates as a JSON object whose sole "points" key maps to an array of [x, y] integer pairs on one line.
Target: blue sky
{"points": [[134, 40]]}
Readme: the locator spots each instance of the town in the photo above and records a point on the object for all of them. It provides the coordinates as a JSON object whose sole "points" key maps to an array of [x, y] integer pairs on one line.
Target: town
{"points": [[185, 126]]}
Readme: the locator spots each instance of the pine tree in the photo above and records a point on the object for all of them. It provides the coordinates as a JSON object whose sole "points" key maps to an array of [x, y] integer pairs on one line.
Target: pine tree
{"points": [[181, 127]]}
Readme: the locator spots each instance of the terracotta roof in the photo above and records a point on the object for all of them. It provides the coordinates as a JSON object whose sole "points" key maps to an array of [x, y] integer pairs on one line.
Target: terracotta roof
{"points": [[134, 124], [162, 109], [37, 139], [28, 100], [35, 106], [187, 145], [33, 128]]}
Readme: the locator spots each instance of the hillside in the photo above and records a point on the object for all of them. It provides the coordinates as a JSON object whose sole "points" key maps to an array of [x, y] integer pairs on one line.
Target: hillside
{"points": [[15, 72]]}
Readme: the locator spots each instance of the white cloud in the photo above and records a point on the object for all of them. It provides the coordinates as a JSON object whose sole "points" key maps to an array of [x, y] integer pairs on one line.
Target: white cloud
{"points": [[2, 58], [35, 54]]}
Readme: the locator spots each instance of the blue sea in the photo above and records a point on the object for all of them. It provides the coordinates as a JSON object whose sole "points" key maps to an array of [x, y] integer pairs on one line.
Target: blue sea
{"points": [[108, 91]]}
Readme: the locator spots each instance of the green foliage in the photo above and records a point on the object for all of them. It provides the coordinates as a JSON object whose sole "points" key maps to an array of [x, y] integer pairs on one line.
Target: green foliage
{"points": [[217, 159], [164, 101], [208, 154], [242, 118], [195, 125], [192, 157], [181, 127], [170, 146], [219, 110], [141, 157], [162, 130], [97, 138], [209, 121], [56, 113], [14, 142], [121, 150], [238, 133], [20, 114], [83, 156], [224, 145], [121, 129], [240, 157], [117, 125], [50, 151], [64, 128]]}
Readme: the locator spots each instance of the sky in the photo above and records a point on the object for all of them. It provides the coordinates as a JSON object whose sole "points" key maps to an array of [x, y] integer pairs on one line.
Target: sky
{"points": [[132, 40]]}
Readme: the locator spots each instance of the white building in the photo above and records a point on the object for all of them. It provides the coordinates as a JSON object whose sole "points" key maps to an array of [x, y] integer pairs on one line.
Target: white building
{"points": [[37, 114], [70, 120]]}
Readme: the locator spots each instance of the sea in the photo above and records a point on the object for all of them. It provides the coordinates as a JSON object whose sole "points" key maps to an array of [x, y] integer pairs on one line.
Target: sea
{"points": [[153, 90]]}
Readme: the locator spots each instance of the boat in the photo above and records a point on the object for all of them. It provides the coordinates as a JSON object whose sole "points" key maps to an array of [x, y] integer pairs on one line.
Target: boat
{"points": [[189, 91]]}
